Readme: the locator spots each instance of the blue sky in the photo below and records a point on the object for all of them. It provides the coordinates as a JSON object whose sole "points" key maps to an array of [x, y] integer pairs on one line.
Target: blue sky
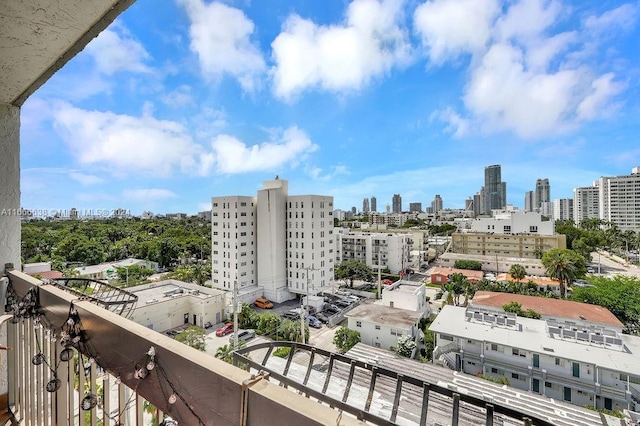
{"points": [[179, 101]]}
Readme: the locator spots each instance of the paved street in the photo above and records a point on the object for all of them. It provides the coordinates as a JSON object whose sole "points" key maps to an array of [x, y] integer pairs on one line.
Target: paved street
{"points": [[611, 265]]}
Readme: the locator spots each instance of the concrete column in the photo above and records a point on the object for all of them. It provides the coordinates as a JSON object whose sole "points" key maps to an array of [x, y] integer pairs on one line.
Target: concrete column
{"points": [[9, 185]]}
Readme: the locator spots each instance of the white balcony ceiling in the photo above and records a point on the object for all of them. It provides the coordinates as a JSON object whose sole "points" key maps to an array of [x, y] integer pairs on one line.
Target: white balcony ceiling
{"points": [[37, 37]]}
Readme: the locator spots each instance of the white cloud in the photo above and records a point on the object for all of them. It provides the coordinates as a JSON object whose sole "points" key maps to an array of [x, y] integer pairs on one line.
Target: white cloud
{"points": [[451, 28], [340, 57], [620, 19], [85, 179], [179, 97], [113, 52], [603, 89], [527, 19], [230, 155], [147, 195], [124, 144], [220, 36], [337, 170], [524, 78], [456, 124]]}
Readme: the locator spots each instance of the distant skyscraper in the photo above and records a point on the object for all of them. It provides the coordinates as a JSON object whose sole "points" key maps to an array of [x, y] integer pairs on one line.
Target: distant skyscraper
{"points": [[468, 205], [397, 203], [365, 205], [477, 204], [374, 204], [529, 201], [436, 204], [495, 191], [354, 210], [543, 193], [415, 207], [586, 201]]}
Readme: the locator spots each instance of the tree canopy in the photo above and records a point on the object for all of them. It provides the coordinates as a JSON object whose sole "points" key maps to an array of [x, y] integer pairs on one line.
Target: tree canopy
{"points": [[565, 266], [517, 272], [192, 336], [350, 270], [472, 265], [86, 242], [620, 294], [345, 338]]}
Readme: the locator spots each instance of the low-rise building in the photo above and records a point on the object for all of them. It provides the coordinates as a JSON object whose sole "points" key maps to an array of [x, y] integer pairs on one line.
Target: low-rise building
{"points": [[380, 325], [440, 275], [109, 270], [409, 295], [496, 263], [167, 304], [581, 362]]}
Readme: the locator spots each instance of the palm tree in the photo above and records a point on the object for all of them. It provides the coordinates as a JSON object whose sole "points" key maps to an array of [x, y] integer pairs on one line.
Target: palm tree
{"points": [[455, 287], [565, 266], [517, 271], [225, 353]]}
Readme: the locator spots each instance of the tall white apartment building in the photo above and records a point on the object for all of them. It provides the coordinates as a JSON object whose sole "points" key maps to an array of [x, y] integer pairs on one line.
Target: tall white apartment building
{"points": [[586, 203], [374, 249], [310, 243], [619, 201], [233, 242], [563, 209], [266, 245]]}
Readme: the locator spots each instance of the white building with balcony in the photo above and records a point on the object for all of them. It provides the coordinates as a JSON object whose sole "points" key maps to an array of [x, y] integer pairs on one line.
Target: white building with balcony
{"points": [[273, 244], [374, 249], [619, 197], [577, 363]]}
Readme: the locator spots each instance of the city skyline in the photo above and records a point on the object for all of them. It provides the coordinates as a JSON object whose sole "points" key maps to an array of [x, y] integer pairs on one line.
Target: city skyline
{"points": [[170, 112]]}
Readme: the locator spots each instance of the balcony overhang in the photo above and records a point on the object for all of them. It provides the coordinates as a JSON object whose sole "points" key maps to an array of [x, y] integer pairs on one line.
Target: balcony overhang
{"points": [[38, 37]]}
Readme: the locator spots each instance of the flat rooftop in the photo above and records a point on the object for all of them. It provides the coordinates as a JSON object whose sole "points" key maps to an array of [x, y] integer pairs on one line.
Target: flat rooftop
{"points": [[535, 337], [165, 290], [381, 314]]}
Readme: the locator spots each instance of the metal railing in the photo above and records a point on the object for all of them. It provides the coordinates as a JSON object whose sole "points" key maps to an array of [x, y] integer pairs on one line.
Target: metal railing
{"points": [[373, 375], [119, 372]]}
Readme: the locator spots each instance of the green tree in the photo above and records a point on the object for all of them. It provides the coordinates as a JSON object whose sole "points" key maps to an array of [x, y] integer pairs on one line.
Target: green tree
{"points": [[248, 318], [345, 339], [473, 265], [619, 294], [517, 271], [565, 266], [405, 346], [290, 331], [194, 337], [268, 325], [225, 352], [455, 287], [350, 270]]}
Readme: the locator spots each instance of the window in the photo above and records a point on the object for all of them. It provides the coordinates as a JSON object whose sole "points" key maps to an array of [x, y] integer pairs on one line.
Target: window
{"points": [[515, 376], [358, 323], [377, 327], [494, 347], [507, 228], [533, 228]]}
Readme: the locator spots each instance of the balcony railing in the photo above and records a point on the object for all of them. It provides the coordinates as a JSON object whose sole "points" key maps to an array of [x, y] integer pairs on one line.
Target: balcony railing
{"points": [[119, 372]]}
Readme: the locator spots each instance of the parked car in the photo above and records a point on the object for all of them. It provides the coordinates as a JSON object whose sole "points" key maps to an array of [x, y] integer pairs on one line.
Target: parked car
{"points": [[314, 322], [244, 335], [354, 298], [263, 303], [171, 333], [292, 315], [310, 309], [225, 329], [322, 317], [333, 309], [343, 293], [208, 324], [343, 304]]}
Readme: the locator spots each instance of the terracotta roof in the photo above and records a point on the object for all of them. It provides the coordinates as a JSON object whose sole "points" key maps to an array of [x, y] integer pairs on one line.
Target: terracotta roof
{"points": [[471, 275], [549, 307], [536, 280], [49, 275]]}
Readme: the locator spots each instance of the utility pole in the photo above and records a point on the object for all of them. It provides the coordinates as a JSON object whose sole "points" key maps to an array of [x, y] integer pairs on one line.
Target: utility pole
{"points": [[379, 268], [304, 319], [235, 314]]}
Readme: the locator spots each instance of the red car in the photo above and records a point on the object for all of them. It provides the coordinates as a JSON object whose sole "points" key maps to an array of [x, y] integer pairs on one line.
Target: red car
{"points": [[226, 329]]}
